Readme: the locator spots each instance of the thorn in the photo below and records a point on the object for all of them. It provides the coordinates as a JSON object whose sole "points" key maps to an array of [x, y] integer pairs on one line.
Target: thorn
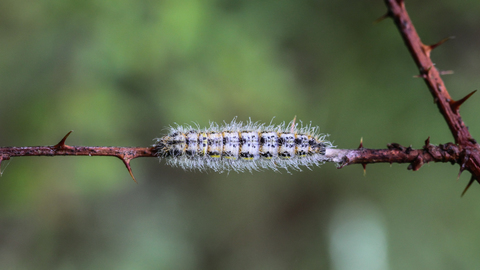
{"points": [[468, 185], [395, 146], [446, 72], [428, 48], [383, 17], [423, 73], [343, 165], [345, 162], [61, 144], [462, 168], [126, 161], [455, 105], [364, 165], [463, 163], [292, 128], [416, 164], [427, 142], [6, 165], [361, 143], [441, 42]]}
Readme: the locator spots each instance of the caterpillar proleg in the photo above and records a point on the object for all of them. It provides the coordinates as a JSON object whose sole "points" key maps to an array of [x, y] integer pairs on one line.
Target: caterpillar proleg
{"points": [[242, 146]]}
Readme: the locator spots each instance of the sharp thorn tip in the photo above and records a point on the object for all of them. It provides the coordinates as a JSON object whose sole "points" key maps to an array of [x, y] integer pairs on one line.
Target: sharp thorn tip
{"points": [[446, 72], [455, 105], [127, 164], [383, 17], [361, 143], [61, 143], [439, 43], [468, 185], [460, 172]]}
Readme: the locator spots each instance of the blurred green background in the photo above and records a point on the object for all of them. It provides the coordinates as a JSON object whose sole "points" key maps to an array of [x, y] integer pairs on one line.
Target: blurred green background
{"points": [[119, 72]]}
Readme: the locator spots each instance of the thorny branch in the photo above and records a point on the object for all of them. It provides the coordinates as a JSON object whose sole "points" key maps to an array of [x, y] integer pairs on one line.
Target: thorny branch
{"points": [[448, 107], [126, 154], [394, 154], [465, 151], [397, 154]]}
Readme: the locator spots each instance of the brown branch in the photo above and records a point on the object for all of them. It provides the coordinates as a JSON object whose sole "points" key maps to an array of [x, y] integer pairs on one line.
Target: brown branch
{"points": [[396, 153], [421, 55], [126, 154], [448, 107]]}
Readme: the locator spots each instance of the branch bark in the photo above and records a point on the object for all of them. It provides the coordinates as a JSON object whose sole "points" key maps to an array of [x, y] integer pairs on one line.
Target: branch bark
{"points": [[421, 55], [396, 153], [126, 154], [448, 107]]}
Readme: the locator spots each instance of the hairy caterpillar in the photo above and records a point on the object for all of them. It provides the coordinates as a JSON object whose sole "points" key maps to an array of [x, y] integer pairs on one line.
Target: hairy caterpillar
{"points": [[242, 146]]}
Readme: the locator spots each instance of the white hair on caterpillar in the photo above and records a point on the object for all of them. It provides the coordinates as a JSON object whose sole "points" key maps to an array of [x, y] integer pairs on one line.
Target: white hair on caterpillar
{"points": [[239, 146]]}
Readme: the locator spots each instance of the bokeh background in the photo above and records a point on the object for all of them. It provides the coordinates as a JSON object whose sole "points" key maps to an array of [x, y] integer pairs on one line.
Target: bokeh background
{"points": [[118, 72]]}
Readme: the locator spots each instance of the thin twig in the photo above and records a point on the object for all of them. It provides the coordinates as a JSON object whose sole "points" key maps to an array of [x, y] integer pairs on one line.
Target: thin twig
{"points": [[126, 154], [396, 154]]}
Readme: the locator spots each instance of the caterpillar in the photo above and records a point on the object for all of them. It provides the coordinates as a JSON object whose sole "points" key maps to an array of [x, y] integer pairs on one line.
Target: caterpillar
{"points": [[242, 146]]}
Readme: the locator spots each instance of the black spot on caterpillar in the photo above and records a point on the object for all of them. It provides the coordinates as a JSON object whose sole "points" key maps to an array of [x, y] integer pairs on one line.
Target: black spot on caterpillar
{"points": [[242, 146]]}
